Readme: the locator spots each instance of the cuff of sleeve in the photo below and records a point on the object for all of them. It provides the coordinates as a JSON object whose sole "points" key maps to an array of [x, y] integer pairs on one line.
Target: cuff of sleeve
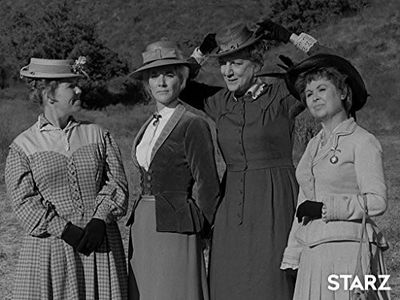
{"points": [[331, 209], [285, 266], [103, 212], [338, 207], [291, 257], [56, 226], [304, 41], [199, 56]]}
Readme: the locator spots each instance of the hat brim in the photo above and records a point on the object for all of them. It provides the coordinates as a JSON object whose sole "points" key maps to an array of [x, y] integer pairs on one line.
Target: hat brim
{"points": [[159, 63], [38, 75], [252, 40], [354, 79]]}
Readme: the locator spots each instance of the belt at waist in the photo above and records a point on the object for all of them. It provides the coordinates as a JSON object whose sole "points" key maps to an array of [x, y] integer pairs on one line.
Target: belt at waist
{"points": [[259, 164]]}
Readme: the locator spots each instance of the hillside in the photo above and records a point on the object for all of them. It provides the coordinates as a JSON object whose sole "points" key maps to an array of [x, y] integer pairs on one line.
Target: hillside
{"points": [[370, 39], [127, 25]]}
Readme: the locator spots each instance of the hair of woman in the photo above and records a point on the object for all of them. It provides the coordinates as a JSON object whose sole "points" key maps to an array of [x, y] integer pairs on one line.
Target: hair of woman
{"points": [[338, 79], [181, 71], [38, 86]]}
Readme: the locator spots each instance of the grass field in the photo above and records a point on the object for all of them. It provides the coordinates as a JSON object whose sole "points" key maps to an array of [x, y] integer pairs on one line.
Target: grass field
{"points": [[23, 114]]}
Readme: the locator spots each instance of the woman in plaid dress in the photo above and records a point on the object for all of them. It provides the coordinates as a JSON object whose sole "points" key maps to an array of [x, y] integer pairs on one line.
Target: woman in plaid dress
{"points": [[68, 188]]}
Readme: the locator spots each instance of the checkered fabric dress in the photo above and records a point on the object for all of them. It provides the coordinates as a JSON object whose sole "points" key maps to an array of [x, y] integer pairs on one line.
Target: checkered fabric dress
{"points": [[58, 175]]}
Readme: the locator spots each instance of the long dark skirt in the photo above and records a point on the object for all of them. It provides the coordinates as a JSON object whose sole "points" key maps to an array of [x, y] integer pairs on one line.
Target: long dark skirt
{"points": [[251, 230]]}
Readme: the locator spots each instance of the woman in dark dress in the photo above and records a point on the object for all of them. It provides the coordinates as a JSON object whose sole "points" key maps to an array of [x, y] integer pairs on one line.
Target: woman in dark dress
{"points": [[254, 121]]}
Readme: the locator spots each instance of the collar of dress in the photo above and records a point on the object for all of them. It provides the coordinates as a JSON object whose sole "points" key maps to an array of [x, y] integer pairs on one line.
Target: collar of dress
{"points": [[45, 125], [344, 128], [254, 92]]}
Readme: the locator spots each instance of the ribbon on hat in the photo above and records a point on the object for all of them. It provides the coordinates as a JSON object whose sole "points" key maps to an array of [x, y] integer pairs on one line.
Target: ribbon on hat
{"points": [[160, 53]]}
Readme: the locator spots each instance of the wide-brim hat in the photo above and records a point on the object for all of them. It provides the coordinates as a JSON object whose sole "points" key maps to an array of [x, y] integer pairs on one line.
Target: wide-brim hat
{"points": [[159, 54], [49, 69], [354, 79], [234, 38]]}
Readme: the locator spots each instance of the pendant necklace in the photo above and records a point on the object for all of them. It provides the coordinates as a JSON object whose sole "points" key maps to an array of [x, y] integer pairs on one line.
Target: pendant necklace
{"points": [[334, 158]]}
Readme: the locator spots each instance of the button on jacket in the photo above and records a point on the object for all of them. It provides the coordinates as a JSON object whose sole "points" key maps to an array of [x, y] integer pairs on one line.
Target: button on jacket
{"points": [[255, 134], [182, 155], [341, 186]]}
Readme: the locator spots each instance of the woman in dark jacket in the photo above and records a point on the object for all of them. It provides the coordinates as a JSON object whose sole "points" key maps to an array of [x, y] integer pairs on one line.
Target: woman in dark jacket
{"points": [[173, 151], [254, 121]]}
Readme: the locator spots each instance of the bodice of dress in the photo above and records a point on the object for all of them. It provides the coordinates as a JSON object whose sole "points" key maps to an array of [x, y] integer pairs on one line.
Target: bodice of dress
{"points": [[57, 175], [256, 132]]}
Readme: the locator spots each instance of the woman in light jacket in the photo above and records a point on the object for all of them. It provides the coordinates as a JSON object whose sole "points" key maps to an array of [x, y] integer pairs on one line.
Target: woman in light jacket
{"points": [[340, 175], [173, 151], [68, 188]]}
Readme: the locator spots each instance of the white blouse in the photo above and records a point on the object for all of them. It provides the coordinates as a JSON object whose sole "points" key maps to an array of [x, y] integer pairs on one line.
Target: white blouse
{"points": [[150, 136]]}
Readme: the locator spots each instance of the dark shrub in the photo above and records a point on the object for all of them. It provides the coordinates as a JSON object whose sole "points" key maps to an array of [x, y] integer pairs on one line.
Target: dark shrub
{"points": [[57, 32], [303, 15]]}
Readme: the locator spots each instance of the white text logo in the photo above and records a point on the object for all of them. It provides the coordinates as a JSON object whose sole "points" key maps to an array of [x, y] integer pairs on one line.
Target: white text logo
{"points": [[350, 282]]}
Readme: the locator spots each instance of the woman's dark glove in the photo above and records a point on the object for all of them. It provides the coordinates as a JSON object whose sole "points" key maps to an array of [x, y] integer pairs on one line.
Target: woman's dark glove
{"points": [[311, 209], [94, 233], [291, 273], [208, 44], [273, 31], [72, 235]]}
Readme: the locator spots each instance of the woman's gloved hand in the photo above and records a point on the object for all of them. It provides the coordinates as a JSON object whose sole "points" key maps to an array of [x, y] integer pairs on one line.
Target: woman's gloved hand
{"points": [[273, 31], [93, 236], [291, 273], [311, 209], [208, 44], [72, 235]]}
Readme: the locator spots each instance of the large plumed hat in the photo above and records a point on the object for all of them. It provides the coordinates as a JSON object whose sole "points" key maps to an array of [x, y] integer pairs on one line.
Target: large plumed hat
{"points": [[354, 79], [234, 38], [161, 53], [52, 68]]}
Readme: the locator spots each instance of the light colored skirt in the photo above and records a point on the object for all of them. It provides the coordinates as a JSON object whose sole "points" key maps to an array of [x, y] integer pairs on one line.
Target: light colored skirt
{"points": [[164, 266], [339, 258]]}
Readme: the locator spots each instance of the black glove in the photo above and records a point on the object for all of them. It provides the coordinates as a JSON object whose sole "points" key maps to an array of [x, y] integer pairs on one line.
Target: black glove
{"points": [[273, 31], [291, 273], [208, 44], [94, 233], [72, 235], [288, 63], [311, 209]]}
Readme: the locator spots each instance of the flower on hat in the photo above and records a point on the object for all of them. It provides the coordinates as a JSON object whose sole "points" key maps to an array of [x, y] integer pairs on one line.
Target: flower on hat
{"points": [[78, 66]]}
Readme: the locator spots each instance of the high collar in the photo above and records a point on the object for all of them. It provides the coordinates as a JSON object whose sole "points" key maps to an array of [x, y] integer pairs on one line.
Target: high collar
{"points": [[166, 112], [344, 128], [254, 92], [45, 125]]}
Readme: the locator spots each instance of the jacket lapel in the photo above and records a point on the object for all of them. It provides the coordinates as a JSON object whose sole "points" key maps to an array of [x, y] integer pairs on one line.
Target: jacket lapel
{"points": [[166, 131], [345, 128], [137, 139]]}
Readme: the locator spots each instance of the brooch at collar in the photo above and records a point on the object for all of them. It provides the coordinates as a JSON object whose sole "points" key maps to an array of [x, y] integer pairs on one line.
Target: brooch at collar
{"points": [[334, 158]]}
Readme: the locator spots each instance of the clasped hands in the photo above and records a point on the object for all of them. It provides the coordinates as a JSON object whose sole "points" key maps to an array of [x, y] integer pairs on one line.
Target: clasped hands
{"points": [[85, 240]]}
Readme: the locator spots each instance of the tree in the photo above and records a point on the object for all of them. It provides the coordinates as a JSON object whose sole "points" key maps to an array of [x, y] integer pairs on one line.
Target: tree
{"points": [[58, 33]]}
